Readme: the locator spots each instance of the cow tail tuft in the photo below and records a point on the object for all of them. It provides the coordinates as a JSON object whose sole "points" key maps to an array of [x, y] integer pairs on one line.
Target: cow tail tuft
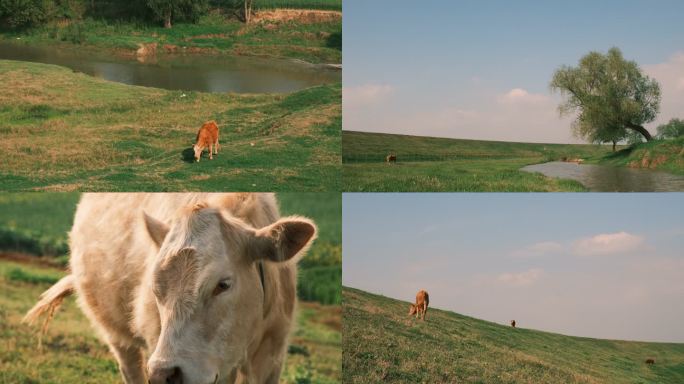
{"points": [[49, 301]]}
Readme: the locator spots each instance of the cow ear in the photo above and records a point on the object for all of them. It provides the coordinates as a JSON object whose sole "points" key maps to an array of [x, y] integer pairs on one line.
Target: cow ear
{"points": [[286, 239], [156, 229]]}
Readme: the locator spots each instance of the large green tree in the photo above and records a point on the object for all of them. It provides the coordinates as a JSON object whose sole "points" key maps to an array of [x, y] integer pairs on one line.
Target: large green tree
{"points": [[611, 96]]}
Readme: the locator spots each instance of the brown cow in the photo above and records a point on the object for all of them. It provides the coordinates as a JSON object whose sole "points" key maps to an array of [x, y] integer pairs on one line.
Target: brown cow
{"points": [[207, 137], [421, 305], [391, 159], [186, 288], [650, 361], [513, 323]]}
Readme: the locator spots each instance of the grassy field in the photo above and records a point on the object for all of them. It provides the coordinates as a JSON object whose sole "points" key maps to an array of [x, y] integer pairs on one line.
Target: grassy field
{"points": [[381, 344], [71, 352], [37, 224], [316, 39], [62, 131], [438, 164]]}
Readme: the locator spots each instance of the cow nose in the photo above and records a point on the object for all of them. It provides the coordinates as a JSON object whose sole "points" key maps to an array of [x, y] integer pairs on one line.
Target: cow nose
{"points": [[171, 375]]}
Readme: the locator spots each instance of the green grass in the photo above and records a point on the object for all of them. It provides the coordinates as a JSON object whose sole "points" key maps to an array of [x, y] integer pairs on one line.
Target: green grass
{"points": [[315, 42], [65, 131], [382, 344], [72, 353], [335, 5], [439, 164]]}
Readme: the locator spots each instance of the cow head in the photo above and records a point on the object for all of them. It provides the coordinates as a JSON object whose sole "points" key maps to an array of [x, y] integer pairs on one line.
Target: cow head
{"points": [[208, 289], [198, 151], [413, 309]]}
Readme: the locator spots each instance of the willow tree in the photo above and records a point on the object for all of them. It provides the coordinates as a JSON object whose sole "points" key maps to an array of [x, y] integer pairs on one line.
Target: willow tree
{"points": [[610, 95]]}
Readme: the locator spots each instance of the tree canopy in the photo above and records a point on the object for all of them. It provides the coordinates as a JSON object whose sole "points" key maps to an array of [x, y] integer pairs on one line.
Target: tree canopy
{"points": [[610, 94], [674, 128]]}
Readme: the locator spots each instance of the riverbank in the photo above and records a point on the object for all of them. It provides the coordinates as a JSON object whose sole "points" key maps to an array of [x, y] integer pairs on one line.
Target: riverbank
{"points": [[440, 164], [64, 131], [663, 155], [313, 36]]}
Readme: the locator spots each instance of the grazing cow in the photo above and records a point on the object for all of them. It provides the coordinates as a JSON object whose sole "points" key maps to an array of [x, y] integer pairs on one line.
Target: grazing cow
{"points": [[207, 137], [203, 283], [421, 305], [391, 159], [650, 361], [513, 323]]}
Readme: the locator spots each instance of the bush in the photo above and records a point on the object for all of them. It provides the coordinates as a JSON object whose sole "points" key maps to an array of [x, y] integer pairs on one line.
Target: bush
{"points": [[674, 128], [24, 13], [12, 239]]}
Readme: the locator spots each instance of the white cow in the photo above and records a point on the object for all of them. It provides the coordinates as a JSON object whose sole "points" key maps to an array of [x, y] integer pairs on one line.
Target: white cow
{"points": [[203, 284]]}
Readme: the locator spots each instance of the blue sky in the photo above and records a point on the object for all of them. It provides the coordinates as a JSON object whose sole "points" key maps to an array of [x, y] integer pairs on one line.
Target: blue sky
{"points": [[597, 265], [480, 69]]}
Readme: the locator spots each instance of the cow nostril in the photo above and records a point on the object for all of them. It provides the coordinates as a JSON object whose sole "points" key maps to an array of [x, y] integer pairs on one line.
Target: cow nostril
{"points": [[176, 377], [172, 375]]}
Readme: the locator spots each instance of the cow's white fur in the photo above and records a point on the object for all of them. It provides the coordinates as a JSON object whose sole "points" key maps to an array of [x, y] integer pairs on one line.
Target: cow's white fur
{"points": [[145, 268]]}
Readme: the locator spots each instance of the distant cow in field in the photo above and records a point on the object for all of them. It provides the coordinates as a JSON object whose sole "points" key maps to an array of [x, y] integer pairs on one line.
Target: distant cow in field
{"points": [[186, 288], [650, 361], [207, 137], [421, 305], [513, 323], [391, 159]]}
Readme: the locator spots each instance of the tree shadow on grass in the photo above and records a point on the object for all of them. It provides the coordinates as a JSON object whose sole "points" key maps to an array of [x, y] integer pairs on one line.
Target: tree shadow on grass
{"points": [[621, 153]]}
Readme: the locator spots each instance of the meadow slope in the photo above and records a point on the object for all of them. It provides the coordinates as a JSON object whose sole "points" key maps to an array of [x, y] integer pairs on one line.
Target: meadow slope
{"points": [[62, 131], [380, 343], [441, 164]]}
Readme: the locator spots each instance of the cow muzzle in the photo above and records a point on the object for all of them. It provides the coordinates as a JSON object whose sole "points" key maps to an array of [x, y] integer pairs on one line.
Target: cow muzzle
{"points": [[166, 375]]}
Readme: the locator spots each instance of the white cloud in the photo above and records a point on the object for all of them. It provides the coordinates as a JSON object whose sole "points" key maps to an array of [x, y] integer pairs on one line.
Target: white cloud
{"points": [[519, 96], [521, 279], [539, 249], [607, 244], [670, 76], [366, 94]]}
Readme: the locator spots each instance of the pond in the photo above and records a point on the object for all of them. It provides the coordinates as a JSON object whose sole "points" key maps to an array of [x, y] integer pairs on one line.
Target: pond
{"points": [[601, 178], [189, 72]]}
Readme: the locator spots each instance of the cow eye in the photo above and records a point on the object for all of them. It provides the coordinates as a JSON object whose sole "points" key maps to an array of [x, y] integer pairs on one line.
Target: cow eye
{"points": [[222, 286]]}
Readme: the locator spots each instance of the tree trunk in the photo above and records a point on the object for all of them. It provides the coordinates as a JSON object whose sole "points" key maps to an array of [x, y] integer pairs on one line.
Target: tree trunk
{"points": [[614, 143], [248, 11], [167, 19], [641, 130]]}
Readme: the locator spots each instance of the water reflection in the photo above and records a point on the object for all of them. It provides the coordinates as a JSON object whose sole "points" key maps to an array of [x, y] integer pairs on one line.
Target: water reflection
{"points": [[182, 72], [601, 178]]}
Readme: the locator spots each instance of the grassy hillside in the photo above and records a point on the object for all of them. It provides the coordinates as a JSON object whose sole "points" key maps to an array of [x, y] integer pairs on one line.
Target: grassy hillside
{"points": [[665, 155], [72, 353], [382, 344], [439, 164], [37, 224], [64, 131], [315, 37]]}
